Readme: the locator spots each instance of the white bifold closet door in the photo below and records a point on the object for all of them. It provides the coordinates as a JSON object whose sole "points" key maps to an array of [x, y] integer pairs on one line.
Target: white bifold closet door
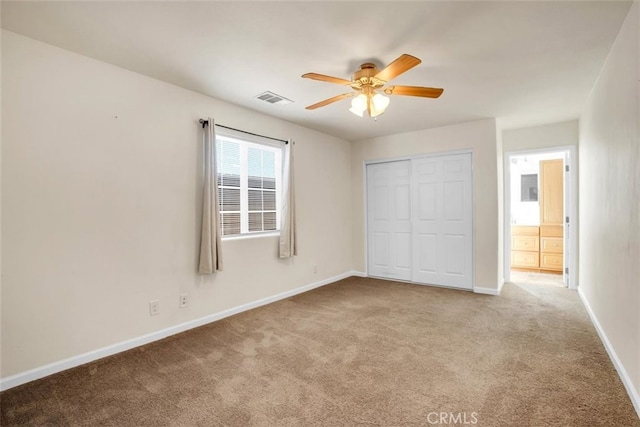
{"points": [[419, 219], [389, 219]]}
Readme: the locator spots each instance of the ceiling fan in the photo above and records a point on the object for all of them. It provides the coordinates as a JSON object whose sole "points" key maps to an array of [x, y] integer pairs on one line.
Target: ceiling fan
{"points": [[368, 82]]}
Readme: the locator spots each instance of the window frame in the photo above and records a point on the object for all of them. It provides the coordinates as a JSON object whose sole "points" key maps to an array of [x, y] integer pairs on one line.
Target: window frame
{"points": [[246, 141]]}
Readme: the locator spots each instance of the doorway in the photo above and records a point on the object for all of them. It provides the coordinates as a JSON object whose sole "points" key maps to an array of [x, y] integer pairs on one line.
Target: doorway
{"points": [[539, 217]]}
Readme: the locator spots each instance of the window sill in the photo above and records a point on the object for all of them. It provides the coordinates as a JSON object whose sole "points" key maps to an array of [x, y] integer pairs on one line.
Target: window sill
{"points": [[251, 236]]}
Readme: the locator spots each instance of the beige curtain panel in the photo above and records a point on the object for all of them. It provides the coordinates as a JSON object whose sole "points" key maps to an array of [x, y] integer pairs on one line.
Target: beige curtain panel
{"points": [[210, 243], [288, 233]]}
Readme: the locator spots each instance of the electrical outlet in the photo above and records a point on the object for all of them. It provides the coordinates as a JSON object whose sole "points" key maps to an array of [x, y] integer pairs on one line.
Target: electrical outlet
{"points": [[184, 300], [315, 269], [154, 308]]}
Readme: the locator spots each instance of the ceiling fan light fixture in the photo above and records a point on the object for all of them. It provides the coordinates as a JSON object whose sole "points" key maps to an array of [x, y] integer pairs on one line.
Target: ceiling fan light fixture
{"points": [[374, 113], [368, 80], [379, 103], [358, 113], [359, 105]]}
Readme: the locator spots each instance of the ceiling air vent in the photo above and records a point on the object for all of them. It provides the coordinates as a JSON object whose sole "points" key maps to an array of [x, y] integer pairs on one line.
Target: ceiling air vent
{"points": [[273, 98]]}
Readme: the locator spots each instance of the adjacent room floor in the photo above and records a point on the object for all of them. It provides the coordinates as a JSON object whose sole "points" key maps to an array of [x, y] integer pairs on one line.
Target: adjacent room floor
{"points": [[534, 278], [357, 352]]}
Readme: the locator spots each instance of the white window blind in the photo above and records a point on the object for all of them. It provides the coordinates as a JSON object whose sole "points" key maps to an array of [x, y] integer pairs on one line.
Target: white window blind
{"points": [[249, 175]]}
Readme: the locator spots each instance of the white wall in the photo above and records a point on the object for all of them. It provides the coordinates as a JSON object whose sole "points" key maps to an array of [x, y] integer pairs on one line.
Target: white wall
{"points": [[543, 136], [480, 136], [101, 174], [1, 275], [501, 211], [610, 199]]}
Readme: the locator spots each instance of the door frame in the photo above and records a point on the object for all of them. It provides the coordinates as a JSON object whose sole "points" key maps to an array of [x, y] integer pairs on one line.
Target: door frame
{"points": [[414, 157], [570, 206]]}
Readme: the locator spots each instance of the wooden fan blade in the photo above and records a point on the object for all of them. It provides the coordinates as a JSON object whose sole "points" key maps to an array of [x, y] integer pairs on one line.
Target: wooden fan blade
{"points": [[403, 63], [425, 92], [324, 78], [331, 100]]}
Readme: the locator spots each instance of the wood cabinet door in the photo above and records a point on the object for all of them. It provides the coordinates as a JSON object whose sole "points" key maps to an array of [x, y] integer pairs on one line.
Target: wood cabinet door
{"points": [[551, 231], [551, 192]]}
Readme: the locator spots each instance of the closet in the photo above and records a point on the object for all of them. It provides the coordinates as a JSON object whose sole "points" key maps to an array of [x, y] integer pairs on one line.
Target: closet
{"points": [[419, 220]]}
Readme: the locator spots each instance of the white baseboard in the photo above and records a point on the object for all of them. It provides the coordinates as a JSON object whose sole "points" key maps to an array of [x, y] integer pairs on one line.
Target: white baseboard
{"points": [[622, 373], [359, 273], [81, 359], [487, 291]]}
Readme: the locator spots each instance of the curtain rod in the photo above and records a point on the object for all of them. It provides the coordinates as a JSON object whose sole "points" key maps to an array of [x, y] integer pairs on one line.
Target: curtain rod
{"points": [[204, 122]]}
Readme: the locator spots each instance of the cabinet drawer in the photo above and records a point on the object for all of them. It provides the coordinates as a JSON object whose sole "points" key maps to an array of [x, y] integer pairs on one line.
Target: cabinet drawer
{"points": [[551, 231], [525, 259], [551, 244], [524, 243], [551, 261], [525, 230]]}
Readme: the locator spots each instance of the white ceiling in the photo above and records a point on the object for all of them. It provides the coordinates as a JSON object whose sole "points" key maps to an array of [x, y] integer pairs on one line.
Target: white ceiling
{"points": [[525, 63]]}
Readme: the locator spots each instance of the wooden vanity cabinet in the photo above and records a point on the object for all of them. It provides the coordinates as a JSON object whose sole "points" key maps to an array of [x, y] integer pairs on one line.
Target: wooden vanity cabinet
{"points": [[525, 246], [551, 247]]}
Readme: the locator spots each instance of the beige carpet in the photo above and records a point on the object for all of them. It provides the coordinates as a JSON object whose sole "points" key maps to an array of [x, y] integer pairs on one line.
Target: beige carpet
{"points": [[360, 352]]}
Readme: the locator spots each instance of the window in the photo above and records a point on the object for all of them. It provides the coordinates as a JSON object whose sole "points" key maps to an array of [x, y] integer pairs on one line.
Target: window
{"points": [[249, 175], [529, 188]]}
